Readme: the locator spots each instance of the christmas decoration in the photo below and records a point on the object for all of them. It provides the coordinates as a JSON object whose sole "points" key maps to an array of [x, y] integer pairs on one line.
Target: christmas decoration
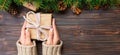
{"points": [[13, 9], [4, 4], [76, 10], [60, 5], [118, 3]]}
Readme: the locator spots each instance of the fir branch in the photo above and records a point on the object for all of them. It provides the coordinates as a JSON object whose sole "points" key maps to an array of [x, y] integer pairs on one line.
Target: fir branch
{"points": [[4, 5], [48, 5]]}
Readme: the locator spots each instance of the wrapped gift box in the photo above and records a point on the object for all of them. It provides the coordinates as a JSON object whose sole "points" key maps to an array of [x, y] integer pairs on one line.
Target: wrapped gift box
{"points": [[45, 21]]}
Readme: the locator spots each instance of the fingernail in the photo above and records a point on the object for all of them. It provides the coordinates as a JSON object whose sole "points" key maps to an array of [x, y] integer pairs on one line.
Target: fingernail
{"points": [[54, 20], [51, 29], [26, 30]]}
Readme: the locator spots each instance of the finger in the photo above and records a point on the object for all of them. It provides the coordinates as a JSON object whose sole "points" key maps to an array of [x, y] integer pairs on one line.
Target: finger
{"points": [[22, 40], [22, 33], [50, 38], [54, 24], [27, 34], [22, 36], [54, 28], [24, 25], [28, 39], [56, 35], [50, 34], [23, 28]]}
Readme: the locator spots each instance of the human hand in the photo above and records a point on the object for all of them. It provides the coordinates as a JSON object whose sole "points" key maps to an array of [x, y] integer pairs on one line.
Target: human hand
{"points": [[25, 36], [53, 38]]}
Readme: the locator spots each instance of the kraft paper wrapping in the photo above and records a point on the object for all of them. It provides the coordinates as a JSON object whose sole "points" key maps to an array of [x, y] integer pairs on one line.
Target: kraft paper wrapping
{"points": [[29, 6], [45, 20]]}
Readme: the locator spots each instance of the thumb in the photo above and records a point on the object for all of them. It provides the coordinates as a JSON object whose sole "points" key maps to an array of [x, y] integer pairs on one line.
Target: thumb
{"points": [[55, 28], [56, 34]]}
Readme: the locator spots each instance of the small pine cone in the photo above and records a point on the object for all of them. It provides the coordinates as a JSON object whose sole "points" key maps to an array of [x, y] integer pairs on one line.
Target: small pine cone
{"points": [[118, 5], [105, 6], [13, 11], [62, 6]]}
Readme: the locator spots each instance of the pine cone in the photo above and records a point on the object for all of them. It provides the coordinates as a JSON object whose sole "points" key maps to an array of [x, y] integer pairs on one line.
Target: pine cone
{"points": [[13, 9], [62, 6], [105, 6], [76, 10], [118, 5]]}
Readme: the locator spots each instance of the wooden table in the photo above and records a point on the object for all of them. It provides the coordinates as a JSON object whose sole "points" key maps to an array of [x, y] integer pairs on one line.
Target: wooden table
{"points": [[90, 33]]}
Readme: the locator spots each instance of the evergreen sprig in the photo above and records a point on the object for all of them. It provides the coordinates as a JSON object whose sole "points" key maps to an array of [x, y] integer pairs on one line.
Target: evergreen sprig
{"points": [[4, 4], [52, 5], [49, 5]]}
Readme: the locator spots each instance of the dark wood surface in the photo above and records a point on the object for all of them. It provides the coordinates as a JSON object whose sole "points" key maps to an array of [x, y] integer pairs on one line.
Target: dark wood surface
{"points": [[90, 33]]}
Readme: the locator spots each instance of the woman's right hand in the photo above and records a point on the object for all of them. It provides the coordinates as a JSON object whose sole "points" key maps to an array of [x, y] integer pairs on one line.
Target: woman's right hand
{"points": [[53, 38]]}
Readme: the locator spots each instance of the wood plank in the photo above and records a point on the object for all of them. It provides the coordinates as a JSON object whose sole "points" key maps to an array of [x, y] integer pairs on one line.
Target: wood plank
{"points": [[90, 33]]}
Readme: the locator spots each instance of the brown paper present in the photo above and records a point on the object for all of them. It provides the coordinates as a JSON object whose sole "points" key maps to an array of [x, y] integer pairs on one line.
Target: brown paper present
{"points": [[30, 6], [40, 30]]}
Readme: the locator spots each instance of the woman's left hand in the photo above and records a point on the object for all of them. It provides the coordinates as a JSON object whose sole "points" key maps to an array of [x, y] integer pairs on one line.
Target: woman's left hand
{"points": [[25, 36]]}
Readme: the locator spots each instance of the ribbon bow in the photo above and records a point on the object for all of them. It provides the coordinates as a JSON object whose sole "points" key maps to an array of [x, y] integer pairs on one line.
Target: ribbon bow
{"points": [[36, 25]]}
